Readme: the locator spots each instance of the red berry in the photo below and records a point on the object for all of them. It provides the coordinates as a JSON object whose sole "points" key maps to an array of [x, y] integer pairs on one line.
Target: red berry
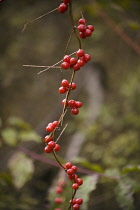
{"points": [[86, 58], [58, 200], [82, 21], [73, 61], [74, 111], [76, 67], [74, 168], [81, 62], [76, 206], [59, 190], [47, 149], [81, 28], [70, 171], [75, 186], [65, 83], [63, 102], [78, 104], [71, 103], [51, 144], [47, 139], [72, 86], [79, 201], [79, 181], [66, 1], [73, 201], [62, 8], [88, 32], [90, 27], [55, 123], [49, 128], [65, 65], [68, 165], [62, 90], [71, 176], [57, 148], [66, 58], [82, 35], [80, 53]]}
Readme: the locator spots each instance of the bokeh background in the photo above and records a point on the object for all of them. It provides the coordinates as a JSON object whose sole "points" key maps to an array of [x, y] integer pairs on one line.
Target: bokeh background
{"points": [[104, 138]]}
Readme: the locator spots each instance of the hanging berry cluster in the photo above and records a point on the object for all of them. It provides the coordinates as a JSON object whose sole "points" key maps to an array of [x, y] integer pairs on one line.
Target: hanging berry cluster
{"points": [[73, 64]]}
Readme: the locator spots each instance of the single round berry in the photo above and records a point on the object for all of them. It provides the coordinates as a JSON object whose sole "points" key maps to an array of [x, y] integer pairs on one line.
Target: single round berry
{"points": [[59, 190], [74, 111], [51, 144], [79, 201], [65, 83], [82, 35], [66, 58], [58, 200], [63, 102], [75, 186], [74, 168], [47, 149], [86, 58], [80, 53], [78, 104], [76, 206], [82, 21], [88, 32], [73, 201], [49, 128], [76, 67], [72, 86], [55, 123], [47, 139], [79, 181], [81, 62], [71, 176], [65, 65], [68, 165], [81, 28], [62, 90], [62, 8], [57, 148], [70, 171], [71, 103], [90, 27], [73, 61]]}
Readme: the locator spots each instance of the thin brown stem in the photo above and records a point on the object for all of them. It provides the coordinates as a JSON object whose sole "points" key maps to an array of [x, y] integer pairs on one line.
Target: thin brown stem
{"points": [[58, 160], [67, 45]]}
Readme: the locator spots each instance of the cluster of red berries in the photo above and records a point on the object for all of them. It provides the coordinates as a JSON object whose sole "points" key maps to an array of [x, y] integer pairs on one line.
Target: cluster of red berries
{"points": [[51, 145], [63, 7], [75, 63], [74, 105], [85, 31], [51, 126], [76, 203], [59, 190], [66, 85]]}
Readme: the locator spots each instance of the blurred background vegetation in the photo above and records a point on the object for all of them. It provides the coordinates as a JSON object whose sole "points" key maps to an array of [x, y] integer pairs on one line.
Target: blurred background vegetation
{"points": [[111, 146]]}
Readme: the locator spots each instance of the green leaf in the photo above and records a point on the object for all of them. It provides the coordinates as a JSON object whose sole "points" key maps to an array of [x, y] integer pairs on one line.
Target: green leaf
{"points": [[10, 136], [131, 168], [83, 192], [21, 168], [15, 121], [29, 136]]}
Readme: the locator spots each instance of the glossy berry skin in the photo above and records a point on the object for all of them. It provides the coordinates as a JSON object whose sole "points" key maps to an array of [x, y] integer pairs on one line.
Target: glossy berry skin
{"points": [[82, 21], [74, 168], [47, 139], [68, 165], [73, 201], [79, 181], [55, 123], [57, 148], [65, 65], [62, 90], [90, 27], [71, 103], [81, 28], [49, 128], [75, 186], [74, 111], [76, 67], [78, 104], [65, 83], [81, 62], [80, 53], [86, 58], [76, 206], [70, 171], [88, 32], [51, 144], [62, 8], [66, 58], [79, 201], [72, 86], [73, 61], [82, 35], [47, 149], [63, 102]]}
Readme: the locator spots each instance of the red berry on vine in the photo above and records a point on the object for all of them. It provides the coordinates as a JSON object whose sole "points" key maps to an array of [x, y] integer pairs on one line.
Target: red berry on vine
{"points": [[73, 61], [74, 111], [51, 144], [88, 32], [47, 149], [75, 186], [78, 104], [70, 171], [79, 181], [79, 201], [65, 65], [82, 21], [81, 62], [58, 200], [55, 123], [59, 190], [76, 67], [57, 148], [72, 86], [80, 53], [66, 58], [81, 28], [47, 139], [65, 83], [68, 165], [74, 168], [73, 201], [71, 176], [90, 27], [50, 128], [82, 35], [63, 102], [76, 206], [71, 103], [62, 90], [62, 8], [86, 58]]}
